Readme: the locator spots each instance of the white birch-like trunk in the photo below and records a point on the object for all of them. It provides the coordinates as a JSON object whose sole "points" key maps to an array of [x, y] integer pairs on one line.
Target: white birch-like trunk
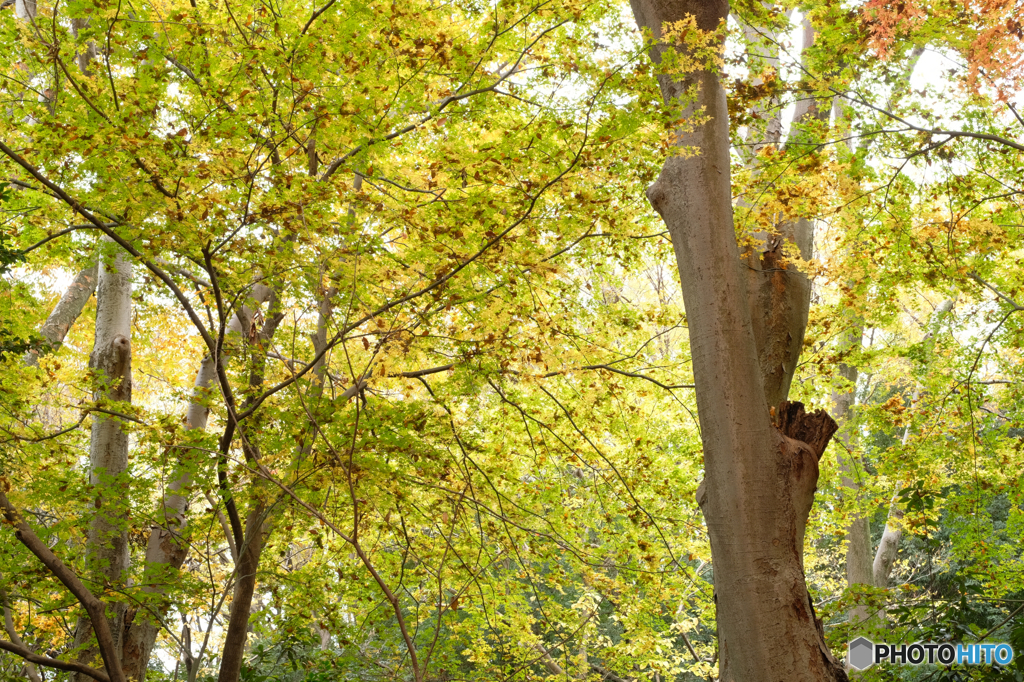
{"points": [[107, 551], [64, 314]]}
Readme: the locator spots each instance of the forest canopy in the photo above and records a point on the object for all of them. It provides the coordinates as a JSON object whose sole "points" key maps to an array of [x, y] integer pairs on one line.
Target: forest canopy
{"points": [[348, 340]]}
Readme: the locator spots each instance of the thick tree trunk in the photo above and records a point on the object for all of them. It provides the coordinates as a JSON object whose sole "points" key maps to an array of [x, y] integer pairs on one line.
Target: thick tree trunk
{"points": [[107, 550], [760, 477], [778, 293]]}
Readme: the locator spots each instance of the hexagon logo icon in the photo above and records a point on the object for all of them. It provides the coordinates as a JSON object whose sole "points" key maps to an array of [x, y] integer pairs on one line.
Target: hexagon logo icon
{"points": [[861, 654]]}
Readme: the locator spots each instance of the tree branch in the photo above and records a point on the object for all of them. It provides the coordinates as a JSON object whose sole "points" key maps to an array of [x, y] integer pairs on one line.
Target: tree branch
{"points": [[93, 606], [53, 662]]}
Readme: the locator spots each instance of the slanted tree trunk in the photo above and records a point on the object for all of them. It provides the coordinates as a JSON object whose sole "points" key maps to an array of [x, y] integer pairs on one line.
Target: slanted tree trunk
{"points": [[889, 545], [107, 550], [760, 476], [64, 314], [166, 549]]}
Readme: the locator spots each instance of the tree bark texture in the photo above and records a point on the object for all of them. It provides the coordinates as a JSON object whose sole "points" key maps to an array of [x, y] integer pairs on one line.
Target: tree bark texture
{"points": [[779, 296], [64, 314], [241, 602], [107, 550], [760, 476]]}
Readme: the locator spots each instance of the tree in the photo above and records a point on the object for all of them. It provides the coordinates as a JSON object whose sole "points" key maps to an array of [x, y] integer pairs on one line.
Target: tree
{"points": [[761, 467], [354, 270]]}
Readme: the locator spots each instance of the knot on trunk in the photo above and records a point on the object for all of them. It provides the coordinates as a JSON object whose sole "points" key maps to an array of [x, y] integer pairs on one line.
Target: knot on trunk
{"points": [[815, 429]]}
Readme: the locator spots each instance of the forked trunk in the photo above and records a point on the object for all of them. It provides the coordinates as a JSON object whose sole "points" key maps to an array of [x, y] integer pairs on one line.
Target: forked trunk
{"points": [[760, 476]]}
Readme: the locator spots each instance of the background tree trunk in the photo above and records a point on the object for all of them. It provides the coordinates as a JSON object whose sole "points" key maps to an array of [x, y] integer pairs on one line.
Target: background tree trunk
{"points": [[858, 531], [107, 551], [64, 314], [166, 548]]}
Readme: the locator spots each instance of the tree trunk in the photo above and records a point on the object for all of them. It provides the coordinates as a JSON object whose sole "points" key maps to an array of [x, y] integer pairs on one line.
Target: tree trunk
{"points": [[166, 549], [107, 550], [858, 531], [889, 545], [760, 477], [241, 602], [64, 314]]}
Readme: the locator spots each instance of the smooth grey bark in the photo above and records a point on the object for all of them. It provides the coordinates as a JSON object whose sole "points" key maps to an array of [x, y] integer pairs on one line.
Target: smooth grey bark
{"points": [[64, 314], [25, 9], [779, 297], [760, 476], [107, 551], [888, 546], [54, 330]]}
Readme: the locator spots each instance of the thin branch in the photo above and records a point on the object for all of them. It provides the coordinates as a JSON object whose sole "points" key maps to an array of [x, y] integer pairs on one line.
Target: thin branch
{"points": [[979, 280], [931, 131]]}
